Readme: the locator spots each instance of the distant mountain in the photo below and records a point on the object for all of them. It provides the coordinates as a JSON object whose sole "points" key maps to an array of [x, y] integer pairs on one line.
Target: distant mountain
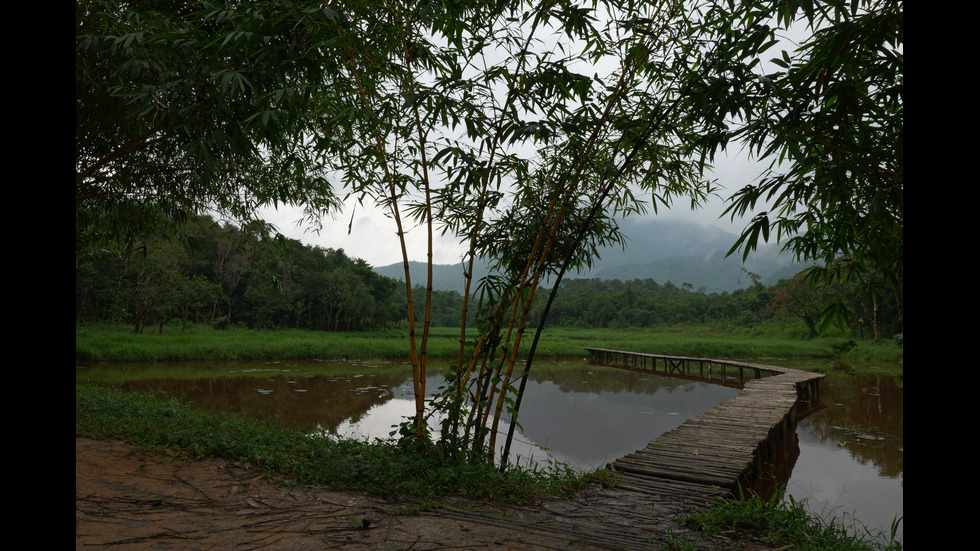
{"points": [[445, 277], [678, 252]]}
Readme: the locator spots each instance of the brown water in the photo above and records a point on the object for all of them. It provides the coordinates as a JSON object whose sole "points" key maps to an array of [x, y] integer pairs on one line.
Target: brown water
{"points": [[851, 453], [846, 459]]}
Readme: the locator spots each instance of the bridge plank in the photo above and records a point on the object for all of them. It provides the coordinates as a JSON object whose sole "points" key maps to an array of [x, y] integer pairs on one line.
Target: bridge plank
{"points": [[708, 456]]}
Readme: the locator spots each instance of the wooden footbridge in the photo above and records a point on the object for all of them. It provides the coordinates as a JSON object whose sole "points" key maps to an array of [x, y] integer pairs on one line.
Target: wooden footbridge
{"points": [[711, 455]]}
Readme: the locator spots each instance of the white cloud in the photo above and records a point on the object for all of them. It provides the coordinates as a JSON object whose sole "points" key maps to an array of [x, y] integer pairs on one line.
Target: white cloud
{"points": [[373, 236]]}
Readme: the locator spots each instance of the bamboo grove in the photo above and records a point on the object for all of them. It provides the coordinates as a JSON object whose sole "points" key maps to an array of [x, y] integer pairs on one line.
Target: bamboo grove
{"points": [[475, 123]]}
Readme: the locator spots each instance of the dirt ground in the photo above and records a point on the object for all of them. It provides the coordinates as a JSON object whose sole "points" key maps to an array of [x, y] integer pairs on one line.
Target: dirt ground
{"points": [[125, 501]]}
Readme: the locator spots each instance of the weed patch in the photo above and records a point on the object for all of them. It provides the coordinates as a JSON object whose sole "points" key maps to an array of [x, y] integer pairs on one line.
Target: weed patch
{"points": [[379, 467], [785, 523]]}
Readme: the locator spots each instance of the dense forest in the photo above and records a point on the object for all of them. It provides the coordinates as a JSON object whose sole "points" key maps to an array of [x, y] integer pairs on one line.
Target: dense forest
{"points": [[224, 276]]}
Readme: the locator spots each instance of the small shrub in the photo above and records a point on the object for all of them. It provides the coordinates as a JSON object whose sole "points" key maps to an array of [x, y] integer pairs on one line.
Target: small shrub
{"points": [[842, 348], [785, 524]]}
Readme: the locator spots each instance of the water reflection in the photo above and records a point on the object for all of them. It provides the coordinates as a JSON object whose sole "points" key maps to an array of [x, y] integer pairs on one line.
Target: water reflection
{"points": [[588, 416], [851, 454], [582, 415], [306, 401], [865, 416]]}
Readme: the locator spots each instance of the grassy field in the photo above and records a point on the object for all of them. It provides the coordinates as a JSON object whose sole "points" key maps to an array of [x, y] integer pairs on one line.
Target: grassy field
{"points": [[120, 344]]}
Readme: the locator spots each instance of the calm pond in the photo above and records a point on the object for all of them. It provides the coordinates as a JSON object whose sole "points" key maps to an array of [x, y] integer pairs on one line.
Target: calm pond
{"points": [[847, 461]]}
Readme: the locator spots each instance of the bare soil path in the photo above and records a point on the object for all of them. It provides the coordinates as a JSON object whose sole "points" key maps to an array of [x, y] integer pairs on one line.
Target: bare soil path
{"points": [[126, 501]]}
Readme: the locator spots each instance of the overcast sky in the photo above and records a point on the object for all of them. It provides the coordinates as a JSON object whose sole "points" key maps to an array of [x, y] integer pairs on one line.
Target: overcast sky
{"points": [[373, 238]]}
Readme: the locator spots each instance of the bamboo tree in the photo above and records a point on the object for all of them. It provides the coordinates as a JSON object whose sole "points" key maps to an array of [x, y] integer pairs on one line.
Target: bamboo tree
{"points": [[571, 180], [368, 95], [474, 119]]}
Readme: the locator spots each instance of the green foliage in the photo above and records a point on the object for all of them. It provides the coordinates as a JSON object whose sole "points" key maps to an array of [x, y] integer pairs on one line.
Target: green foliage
{"points": [[490, 122], [377, 467], [841, 348], [229, 277], [189, 107], [828, 118], [778, 522], [221, 323], [645, 303]]}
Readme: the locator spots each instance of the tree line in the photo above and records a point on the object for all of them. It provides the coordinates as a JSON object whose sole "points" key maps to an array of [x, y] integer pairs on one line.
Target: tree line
{"points": [[794, 304], [224, 276]]}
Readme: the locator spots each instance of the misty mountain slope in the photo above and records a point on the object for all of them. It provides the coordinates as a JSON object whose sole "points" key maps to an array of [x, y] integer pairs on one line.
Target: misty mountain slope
{"points": [[652, 239], [662, 251]]}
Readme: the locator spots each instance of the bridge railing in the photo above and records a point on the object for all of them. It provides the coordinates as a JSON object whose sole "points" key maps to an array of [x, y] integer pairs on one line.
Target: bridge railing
{"points": [[723, 372]]}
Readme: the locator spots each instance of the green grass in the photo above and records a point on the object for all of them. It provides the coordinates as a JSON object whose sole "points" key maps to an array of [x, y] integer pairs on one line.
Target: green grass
{"points": [[707, 342], [785, 524], [380, 467], [118, 344]]}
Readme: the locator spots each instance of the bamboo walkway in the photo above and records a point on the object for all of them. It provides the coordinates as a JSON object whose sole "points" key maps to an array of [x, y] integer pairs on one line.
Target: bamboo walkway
{"points": [[710, 456]]}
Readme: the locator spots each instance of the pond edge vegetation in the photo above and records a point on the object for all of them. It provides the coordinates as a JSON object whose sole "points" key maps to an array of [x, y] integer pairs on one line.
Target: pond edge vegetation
{"points": [[167, 426]]}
